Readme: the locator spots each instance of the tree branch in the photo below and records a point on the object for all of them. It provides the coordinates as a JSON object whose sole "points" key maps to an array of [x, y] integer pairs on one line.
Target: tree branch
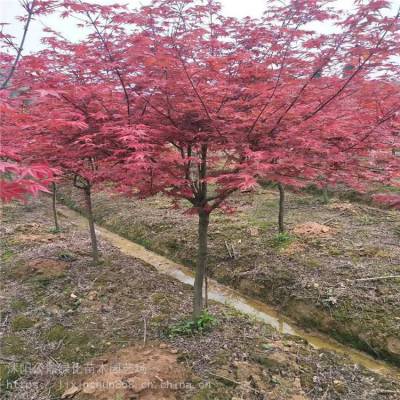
{"points": [[29, 7]]}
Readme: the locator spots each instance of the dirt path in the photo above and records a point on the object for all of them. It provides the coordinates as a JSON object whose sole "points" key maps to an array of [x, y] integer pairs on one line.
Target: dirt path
{"points": [[63, 319]]}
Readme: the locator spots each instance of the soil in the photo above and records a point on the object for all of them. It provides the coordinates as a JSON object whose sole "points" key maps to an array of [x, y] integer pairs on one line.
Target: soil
{"points": [[47, 267], [148, 373], [312, 274], [57, 330], [311, 229]]}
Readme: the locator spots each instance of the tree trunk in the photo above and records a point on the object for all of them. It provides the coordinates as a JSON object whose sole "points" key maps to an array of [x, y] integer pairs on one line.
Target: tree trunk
{"points": [[325, 194], [206, 287], [54, 198], [201, 266], [93, 239], [281, 217]]}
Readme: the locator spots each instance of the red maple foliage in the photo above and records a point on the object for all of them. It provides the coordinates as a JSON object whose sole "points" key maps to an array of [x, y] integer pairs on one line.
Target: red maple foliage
{"points": [[72, 121], [18, 181], [390, 199]]}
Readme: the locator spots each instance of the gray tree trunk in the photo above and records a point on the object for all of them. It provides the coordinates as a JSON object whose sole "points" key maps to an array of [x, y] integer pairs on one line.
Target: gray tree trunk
{"points": [[54, 205], [281, 216], [325, 194], [201, 266], [93, 238]]}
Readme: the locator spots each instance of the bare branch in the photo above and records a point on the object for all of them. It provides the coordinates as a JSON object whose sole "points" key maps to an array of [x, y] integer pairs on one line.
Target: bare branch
{"points": [[29, 7]]}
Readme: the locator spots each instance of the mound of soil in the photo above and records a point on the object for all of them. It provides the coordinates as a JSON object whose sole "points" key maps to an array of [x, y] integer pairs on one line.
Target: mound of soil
{"points": [[47, 267], [343, 207], [148, 373], [312, 229]]}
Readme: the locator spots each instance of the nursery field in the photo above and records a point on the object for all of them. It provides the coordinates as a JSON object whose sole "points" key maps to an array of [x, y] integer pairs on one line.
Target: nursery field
{"points": [[70, 329], [200, 200], [335, 269]]}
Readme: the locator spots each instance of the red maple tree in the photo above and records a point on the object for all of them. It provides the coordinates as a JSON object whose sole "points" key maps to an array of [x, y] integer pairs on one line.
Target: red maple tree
{"points": [[178, 99], [71, 119], [270, 98]]}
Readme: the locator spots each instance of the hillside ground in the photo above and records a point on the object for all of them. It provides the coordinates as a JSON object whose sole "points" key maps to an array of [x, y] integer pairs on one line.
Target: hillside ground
{"points": [[73, 330], [313, 274]]}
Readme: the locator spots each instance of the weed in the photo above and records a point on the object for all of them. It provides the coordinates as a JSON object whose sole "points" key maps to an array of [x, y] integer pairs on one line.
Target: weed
{"points": [[68, 201], [281, 239], [173, 245], [77, 346], [7, 254], [54, 230], [261, 224], [336, 252], [192, 326], [66, 256], [366, 219]]}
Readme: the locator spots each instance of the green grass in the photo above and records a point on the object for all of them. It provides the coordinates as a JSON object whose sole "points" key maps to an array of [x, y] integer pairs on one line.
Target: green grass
{"points": [[13, 345], [55, 334], [19, 305], [77, 346], [21, 323], [8, 375], [7, 254]]}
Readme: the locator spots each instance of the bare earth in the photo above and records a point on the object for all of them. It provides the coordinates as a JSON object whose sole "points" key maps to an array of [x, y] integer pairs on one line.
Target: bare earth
{"points": [[72, 330]]}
